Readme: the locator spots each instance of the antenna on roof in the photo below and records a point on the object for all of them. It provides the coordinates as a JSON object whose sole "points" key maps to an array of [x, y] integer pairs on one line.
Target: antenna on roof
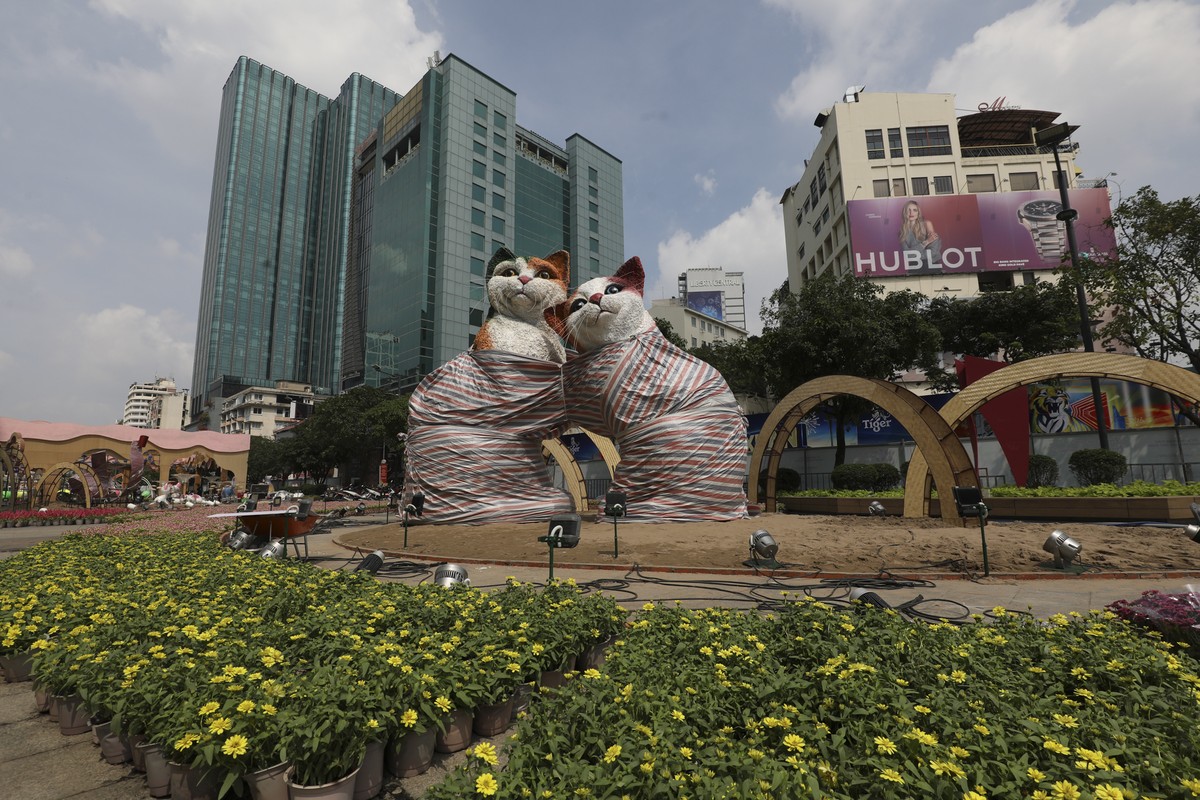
{"points": [[434, 60], [852, 92]]}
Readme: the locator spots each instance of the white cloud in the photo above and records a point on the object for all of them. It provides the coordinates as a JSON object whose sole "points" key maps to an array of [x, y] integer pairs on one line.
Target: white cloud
{"points": [[1122, 74], [14, 262], [750, 240], [707, 182], [317, 43]]}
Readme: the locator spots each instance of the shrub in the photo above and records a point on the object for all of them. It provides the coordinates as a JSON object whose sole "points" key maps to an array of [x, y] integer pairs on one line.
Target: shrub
{"points": [[870, 477], [1043, 471], [787, 480], [1096, 465]]}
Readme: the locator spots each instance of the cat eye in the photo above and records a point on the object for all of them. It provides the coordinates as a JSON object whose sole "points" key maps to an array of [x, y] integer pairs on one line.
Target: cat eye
{"points": [[543, 274], [578, 304], [507, 272], [613, 288]]}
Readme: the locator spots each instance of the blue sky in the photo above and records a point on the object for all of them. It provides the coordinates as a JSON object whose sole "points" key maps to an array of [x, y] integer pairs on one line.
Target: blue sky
{"points": [[109, 118]]}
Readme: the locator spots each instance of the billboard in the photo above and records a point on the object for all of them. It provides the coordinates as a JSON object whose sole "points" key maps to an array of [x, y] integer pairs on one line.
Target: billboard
{"points": [[707, 303], [992, 231]]}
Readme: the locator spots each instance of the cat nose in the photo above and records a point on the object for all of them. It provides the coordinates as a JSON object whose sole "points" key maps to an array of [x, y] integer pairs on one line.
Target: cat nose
{"points": [[595, 298], [524, 279]]}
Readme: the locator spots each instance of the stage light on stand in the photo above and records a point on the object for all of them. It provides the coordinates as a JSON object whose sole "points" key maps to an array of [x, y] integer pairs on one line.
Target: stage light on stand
{"points": [[371, 563], [1193, 532], [870, 598], [763, 549], [564, 532], [615, 504], [876, 509], [968, 500], [360, 509], [448, 575], [276, 548], [239, 539], [1063, 548]]}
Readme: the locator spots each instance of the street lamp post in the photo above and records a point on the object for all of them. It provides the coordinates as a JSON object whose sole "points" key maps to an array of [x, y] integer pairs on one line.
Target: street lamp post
{"points": [[1051, 137]]}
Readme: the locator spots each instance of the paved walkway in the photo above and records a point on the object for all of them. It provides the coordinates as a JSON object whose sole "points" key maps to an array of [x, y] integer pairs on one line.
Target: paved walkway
{"points": [[39, 763]]}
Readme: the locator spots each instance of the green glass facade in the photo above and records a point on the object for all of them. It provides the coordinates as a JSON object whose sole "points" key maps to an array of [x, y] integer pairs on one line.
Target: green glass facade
{"points": [[347, 237]]}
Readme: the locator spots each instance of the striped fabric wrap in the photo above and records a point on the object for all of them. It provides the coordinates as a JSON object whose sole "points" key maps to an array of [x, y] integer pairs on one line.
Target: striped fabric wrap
{"points": [[681, 436], [475, 428]]}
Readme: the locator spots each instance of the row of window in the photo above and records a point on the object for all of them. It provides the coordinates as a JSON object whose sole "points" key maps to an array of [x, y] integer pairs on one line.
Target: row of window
{"points": [[923, 140], [944, 184]]}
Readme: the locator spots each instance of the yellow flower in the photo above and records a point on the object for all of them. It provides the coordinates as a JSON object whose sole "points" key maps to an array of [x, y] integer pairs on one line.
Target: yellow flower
{"points": [[443, 703], [1065, 790], [1108, 792], [591, 674], [208, 708], [611, 754], [408, 718], [794, 742], [186, 741], [220, 725], [982, 729], [974, 796], [947, 768], [1066, 720], [1056, 747], [486, 784], [1035, 775], [885, 745], [678, 715], [245, 707], [1192, 785], [235, 745], [486, 752], [891, 775]]}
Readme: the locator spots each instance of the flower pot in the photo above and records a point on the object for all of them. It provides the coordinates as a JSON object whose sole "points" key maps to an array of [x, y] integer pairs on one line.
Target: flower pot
{"points": [[457, 734], [138, 757], [17, 666], [552, 678], [52, 707], [158, 771], [521, 698], [493, 720], [270, 783], [100, 730], [73, 717], [41, 699], [370, 774], [411, 754], [594, 656], [341, 789], [114, 750], [193, 783]]}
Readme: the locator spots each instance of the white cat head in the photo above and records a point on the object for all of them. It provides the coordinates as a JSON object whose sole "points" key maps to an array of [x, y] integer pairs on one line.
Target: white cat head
{"points": [[606, 310], [524, 288]]}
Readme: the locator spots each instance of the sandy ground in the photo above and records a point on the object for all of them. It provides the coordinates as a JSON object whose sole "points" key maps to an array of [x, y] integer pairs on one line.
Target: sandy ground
{"points": [[807, 543]]}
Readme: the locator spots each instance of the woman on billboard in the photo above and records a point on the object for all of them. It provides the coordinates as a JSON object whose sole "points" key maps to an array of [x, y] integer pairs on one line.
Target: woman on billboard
{"points": [[917, 234]]}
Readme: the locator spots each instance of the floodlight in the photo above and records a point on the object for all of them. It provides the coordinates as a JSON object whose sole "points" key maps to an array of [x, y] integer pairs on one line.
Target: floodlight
{"points": [[371, 563], [615, 504], [250, 504], [360, 509], [1196, 512], [870, 598], [1063, 548], [1193, 532], [876, 509], [277, 548], [564, 529], [305, 508], [763, 546], [418, 503], [448, 575], [238, 539], [968, 500]]}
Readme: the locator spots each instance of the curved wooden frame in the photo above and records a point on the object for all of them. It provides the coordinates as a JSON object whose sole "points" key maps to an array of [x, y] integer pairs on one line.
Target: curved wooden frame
{"points": [[951, 465], [576, 484], [55, 471], [1173, 380], [8, 477]]}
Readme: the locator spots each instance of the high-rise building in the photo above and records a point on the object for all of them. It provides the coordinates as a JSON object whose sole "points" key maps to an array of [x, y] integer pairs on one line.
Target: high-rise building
{"points": [[903, 190], [445, 179], [716, 293], [346, 236], [139, 404]]}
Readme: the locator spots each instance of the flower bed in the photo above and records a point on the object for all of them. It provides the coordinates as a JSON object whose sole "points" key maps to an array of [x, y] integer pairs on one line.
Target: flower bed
{"points": [[1176, 615], [816, 702], [59, 516]]}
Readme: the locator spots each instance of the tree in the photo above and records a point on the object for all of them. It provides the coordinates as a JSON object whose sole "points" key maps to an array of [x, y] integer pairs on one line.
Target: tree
{"points": [[668, 331], [843, 326], [1026, 322], [739, 362], [350, 431], [1153, 281]]}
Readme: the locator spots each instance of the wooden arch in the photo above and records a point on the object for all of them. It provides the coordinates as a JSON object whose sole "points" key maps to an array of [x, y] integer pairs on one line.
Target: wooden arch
{"points": [[576, 485], [950, 464], [87, 477], [9, 482], [1173, 380]]}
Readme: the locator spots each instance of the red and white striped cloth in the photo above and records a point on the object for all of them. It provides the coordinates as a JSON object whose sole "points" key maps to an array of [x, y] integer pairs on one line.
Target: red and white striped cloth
{"points": [[475, 427], [681, 436]]}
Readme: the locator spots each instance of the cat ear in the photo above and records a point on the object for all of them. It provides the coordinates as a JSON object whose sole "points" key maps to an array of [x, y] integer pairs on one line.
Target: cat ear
{"points": [[500, 256], [633, 275], [562, 260]]}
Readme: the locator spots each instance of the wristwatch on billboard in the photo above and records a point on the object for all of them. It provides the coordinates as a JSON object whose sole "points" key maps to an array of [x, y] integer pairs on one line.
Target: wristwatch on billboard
{"points": [[1040, 218]]}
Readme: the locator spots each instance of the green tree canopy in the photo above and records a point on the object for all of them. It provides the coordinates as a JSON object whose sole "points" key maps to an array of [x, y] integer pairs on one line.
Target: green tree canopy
{"points": [[668, 331], [740, 361]]}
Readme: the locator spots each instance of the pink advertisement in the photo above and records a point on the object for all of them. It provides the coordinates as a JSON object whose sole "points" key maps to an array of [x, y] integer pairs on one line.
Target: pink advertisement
{"points": [[1000, 231]]}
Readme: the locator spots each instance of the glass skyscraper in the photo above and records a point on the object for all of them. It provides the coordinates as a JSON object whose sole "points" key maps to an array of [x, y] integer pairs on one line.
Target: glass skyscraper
{"points": [[347, 237]]}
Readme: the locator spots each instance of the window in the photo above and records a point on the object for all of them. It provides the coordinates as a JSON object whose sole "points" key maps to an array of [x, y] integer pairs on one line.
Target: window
{"points": [[477, 242], [477, 217], [476, 317], [500, 121], [479, 169], [478, 193], [498, 225], [498, 140], [693, 322], [981, 183], [995, 281], [594, 244], [943, 184], [898, 188], [498, 178], [593, 175], [895, 144], [1059, 178], [1023, 181], [821, 184], [920, 185], [594, 225], [825, 214], [593, 208], [481, 109], [800, 252], [882, 187], [497, 201], [592, 192], [499, 158], [813, 193], [477, 292], [481, 130], [480, 148], [875, 143], [928, 140], [693, 341], [477, 266]]}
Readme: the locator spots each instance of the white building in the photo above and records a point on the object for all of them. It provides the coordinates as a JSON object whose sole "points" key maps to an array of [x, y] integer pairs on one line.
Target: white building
{"points": [[977, 181], [694, 327], [715, 293], [264, 411], [141, 397], [169, 411]]}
